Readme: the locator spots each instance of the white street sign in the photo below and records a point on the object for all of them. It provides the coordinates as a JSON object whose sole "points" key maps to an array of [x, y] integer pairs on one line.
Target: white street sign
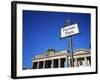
{"points": [[69, 30]]}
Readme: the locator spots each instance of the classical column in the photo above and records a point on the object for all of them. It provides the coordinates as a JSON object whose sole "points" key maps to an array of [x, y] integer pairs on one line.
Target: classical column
{"points": [[66, 60], [43, 64], [32, 65], [69, 64], [75, 63], [58, 63], [86, 63], [52, 63], [37, 65]]}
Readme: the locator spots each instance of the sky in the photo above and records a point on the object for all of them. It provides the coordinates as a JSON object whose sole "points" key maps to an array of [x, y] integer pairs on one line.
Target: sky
{"points": [[41, 31]]}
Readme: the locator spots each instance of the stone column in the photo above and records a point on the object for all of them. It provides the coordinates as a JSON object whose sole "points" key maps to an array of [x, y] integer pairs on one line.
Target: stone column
{"points": [[66, 62], [32, 65], [86, 62], [58, 63], [69, 64], [43, 64], [52, 64], [75, 63], [37, 65]]}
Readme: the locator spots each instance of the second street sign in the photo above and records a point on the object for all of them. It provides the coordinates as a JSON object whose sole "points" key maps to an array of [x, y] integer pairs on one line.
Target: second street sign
{"points": [[69, 30]]}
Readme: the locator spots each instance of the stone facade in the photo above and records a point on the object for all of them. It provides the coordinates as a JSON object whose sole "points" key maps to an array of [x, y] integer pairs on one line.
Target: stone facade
{"points": [[61, 59]]}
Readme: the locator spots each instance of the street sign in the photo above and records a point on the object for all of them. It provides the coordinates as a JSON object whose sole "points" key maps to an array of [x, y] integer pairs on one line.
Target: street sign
{"points": [[69, 30]]}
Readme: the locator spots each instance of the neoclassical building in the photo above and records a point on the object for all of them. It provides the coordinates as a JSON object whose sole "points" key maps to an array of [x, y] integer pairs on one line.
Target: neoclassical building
{"points": [[61, 59]]}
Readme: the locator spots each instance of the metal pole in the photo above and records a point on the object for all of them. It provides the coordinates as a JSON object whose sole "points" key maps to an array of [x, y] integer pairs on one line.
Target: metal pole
{"points": [[70, 46], [71, 51]]}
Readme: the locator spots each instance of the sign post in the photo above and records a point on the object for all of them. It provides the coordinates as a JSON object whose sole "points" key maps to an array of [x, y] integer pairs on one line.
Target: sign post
{"points": [[68, 31], [71, 51]]}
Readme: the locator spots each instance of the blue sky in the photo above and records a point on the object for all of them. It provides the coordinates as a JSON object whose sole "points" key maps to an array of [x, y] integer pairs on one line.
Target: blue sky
{"points": [[41, 30]]}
